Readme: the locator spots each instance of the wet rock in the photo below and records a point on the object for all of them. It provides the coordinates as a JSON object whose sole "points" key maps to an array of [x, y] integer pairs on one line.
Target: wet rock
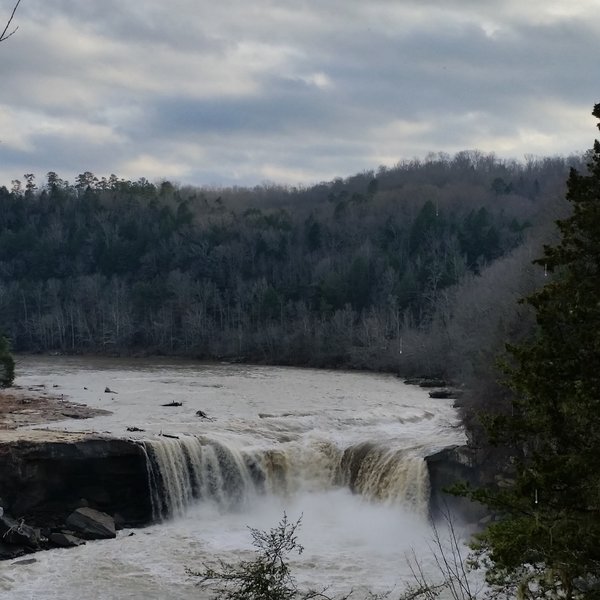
{"points": [[174, 403], [446, 468], [201, 414], [8, 551], [45, 479], [107, 390], [25, 561], [92, 524], [445, 393], [134, 429], [65, 540], [17, 533]]}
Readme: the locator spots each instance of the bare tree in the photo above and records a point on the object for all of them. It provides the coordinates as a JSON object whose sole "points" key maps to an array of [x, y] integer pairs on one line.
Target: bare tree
{"points": [[6, 33]]}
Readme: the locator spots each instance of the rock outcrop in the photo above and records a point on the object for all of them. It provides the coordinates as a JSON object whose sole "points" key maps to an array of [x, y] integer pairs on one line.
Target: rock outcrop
{"points": [[44, 477], [58, 488], [91, 524], [15, 532], [447, 468]]}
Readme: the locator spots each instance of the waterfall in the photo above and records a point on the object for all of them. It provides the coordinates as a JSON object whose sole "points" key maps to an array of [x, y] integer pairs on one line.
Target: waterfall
{"points": [[188, 468], [386, 474]]}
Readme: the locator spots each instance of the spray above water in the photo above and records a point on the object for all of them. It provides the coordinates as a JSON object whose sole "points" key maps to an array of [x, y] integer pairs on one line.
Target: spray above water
{"points": [[187, 469], [344, 450], [190, 469]]}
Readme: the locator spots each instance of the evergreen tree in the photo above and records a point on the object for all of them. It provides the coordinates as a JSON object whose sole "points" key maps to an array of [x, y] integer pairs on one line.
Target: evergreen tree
{"points": [[547, 540], [7, 364]]}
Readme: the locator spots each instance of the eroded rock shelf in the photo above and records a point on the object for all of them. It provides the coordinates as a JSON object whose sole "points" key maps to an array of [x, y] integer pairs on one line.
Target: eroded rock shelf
{"points": [[46, 475]]}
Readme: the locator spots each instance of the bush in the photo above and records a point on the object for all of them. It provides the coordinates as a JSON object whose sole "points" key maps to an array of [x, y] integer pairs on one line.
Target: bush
{"points": [[268, 576]]}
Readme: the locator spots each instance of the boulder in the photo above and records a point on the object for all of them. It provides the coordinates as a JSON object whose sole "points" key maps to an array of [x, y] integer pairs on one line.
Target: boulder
{"points": [[92, 524], [65, 540], [446, 393], [7, 551], [25, 561], [16, 533]]}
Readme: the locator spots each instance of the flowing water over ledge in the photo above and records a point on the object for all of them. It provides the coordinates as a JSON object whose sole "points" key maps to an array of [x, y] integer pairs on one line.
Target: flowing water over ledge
{"points": [[345, 450]]}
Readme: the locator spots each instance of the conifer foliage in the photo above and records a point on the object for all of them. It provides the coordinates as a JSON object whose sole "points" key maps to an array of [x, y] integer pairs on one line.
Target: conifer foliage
{"points": [[547, 542], [7, 364]]}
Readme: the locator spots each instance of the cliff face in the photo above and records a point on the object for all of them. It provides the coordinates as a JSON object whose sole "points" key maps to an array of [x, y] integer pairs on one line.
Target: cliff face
{"points": [[447, 468], [44, 477]]}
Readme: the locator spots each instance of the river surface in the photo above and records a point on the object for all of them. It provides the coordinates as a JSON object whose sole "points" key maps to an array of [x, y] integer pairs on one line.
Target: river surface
{"points": [[342, 450]]}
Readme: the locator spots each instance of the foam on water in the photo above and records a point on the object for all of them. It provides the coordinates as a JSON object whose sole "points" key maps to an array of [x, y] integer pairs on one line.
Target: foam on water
{"points": [[349, 543], [280, 439]]}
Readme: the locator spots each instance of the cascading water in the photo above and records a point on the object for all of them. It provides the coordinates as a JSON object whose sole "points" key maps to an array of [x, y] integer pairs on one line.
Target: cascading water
{"points": [[188, 468], [386, 474], [185, 469], [344, 450]]}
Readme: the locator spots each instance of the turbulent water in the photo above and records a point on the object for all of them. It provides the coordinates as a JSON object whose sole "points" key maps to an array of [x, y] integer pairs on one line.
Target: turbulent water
{"points": [[343, 450]]}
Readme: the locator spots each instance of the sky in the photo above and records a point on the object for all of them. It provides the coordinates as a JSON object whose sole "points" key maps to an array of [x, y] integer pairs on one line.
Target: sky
{"points": [[246, 92]]}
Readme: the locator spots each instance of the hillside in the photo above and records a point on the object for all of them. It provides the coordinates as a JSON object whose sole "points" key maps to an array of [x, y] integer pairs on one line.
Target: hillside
{"points": [[357, 272]]}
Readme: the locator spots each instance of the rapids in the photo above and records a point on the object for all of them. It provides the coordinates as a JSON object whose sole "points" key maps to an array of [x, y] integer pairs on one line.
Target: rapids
{"points": [[343, 450]]}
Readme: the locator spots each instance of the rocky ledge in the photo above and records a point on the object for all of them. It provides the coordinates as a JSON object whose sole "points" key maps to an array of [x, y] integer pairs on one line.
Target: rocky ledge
{"points": [[447, 468], [59, 488]]}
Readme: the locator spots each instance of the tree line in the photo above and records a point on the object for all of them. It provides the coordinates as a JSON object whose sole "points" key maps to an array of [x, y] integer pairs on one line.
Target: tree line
{"points": [[350, 273], [542, 539]]}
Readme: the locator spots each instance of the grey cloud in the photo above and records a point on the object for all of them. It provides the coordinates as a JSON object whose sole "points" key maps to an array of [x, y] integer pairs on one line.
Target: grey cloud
{"points": [[312, 88]]}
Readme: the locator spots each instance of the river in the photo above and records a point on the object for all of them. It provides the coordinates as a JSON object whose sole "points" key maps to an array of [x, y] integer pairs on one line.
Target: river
{"points": [[342, 450]]}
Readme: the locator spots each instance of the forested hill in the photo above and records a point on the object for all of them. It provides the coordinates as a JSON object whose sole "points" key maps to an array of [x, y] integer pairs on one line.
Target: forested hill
{"points": [[334, 274]]}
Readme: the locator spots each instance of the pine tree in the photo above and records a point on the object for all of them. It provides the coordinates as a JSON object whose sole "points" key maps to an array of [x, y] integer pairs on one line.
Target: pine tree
{"points": [[546, 542], [7, 364]]}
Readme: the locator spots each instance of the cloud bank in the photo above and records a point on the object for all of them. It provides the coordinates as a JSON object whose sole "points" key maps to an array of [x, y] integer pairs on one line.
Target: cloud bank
{"points": [[241, 92]]}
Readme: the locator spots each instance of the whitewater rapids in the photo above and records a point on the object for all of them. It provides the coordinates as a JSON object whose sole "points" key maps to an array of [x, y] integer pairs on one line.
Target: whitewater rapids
{"points": [[344, 450]]}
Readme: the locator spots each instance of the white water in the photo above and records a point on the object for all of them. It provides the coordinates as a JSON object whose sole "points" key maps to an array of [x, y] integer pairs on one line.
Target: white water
{"points": [[280, 439]]}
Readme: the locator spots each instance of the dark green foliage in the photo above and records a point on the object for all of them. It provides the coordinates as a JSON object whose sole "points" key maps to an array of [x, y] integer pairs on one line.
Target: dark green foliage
{"points": [[425, 226], [549, 534], [108, 265], [479, 238], [7, 364]]}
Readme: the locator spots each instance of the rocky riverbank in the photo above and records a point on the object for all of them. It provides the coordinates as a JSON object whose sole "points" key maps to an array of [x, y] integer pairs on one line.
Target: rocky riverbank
{"points": [[58, 488], [46, 477], [20, 407]]}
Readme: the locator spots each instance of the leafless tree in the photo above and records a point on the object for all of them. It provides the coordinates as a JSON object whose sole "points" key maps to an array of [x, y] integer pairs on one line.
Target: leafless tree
{"points": [[6, 33]]}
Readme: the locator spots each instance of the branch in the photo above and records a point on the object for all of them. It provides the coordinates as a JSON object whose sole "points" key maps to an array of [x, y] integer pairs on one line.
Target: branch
{"points": [[4, 35]]}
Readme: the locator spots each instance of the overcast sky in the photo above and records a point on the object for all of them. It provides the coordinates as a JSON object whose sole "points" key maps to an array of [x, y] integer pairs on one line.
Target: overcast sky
{"points": [[220, 92]]}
